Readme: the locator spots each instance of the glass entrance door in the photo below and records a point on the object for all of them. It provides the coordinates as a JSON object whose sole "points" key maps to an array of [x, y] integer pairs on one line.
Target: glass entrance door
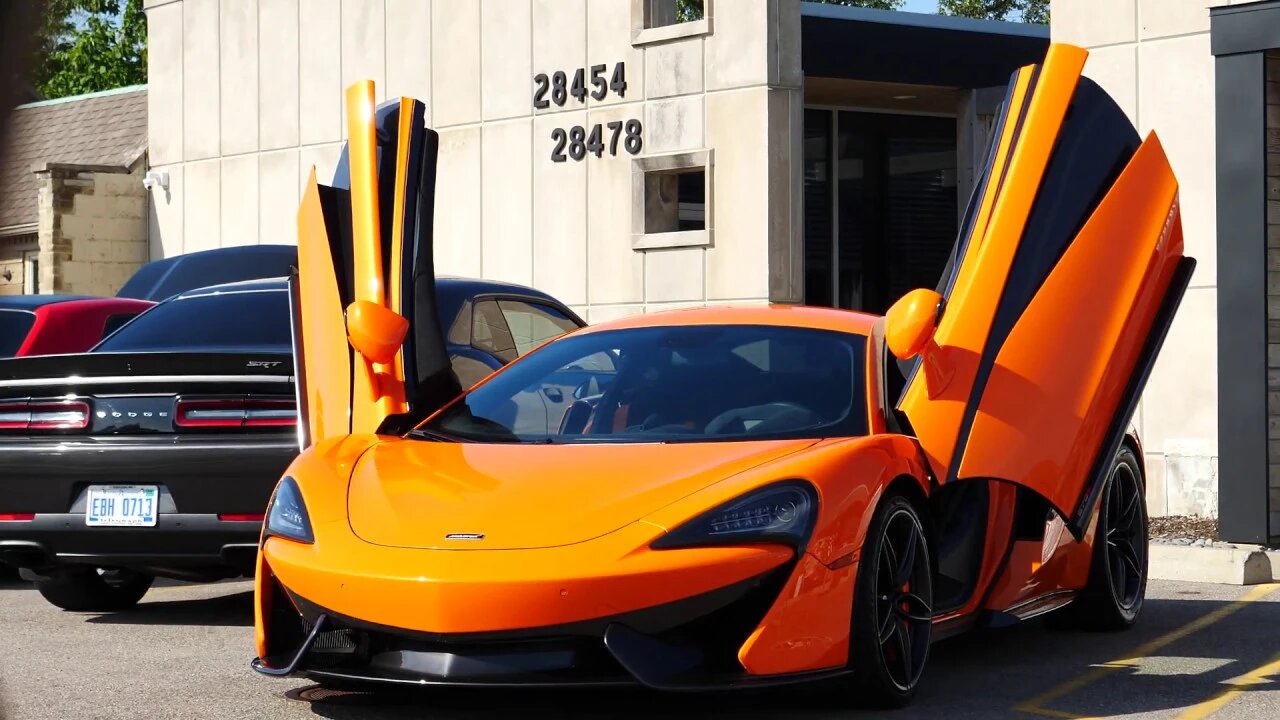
{"points": [[880, 205]]}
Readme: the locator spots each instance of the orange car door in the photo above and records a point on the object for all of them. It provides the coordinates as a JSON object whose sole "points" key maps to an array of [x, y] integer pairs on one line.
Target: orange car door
{"points": [[368, 238], [1064, 280]]}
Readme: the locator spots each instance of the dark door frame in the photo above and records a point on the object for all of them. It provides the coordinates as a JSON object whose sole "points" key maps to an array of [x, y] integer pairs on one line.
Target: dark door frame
{"points": [[874, 247], [1240, 37]]}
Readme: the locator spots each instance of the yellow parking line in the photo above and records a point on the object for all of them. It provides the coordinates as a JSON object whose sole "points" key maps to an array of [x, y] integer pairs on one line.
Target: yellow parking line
{"points": [[1036, 705], [1238, 686]]}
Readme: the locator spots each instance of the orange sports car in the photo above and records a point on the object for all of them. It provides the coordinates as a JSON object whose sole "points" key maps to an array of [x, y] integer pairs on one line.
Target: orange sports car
{"points": [[727, 497]]}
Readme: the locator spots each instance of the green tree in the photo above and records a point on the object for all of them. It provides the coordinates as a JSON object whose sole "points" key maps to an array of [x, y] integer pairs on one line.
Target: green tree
{"points": [[1034, 11], [877, 4], [982, 9], [687, 10], [90, 45]]}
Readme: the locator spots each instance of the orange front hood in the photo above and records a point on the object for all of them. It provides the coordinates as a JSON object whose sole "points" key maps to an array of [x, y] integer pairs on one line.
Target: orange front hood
{"points": [[412, 493]]}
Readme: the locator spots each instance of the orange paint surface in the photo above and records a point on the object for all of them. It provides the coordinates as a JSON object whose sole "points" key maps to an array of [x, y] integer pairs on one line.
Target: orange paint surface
{"points": [[1061, 374], [808, 627], [326, 354], [967, 321]]}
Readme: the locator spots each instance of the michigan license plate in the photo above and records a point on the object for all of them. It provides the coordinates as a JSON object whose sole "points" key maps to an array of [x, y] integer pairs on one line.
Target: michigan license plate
{"points": [[122, 506]]}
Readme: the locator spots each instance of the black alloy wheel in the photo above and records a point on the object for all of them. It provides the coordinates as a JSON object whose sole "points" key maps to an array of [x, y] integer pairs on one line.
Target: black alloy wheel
{"points": [[893, 607], [1126, 538], [1117, 586]]}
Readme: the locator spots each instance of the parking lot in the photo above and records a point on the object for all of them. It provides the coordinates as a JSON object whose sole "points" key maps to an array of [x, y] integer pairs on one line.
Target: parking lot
{"points": [[1201, 650]]}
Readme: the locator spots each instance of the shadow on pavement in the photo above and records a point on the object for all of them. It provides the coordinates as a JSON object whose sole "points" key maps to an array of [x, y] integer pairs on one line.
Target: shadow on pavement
{"points": [[1105, 674], [452, 703], [979, 675], [9, 579], [234, 610]]}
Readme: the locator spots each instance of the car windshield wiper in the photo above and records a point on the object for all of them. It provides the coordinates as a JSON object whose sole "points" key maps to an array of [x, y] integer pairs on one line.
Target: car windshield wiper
{"points": [[433, 436]]}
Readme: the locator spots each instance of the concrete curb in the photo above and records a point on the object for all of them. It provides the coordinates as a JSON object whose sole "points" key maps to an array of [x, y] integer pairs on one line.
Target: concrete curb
{"points": [[1218, 563]]}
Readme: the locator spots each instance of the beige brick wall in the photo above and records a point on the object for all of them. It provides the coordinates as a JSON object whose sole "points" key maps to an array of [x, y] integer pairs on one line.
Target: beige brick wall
{"points": [[247, 96], [92, 229]]}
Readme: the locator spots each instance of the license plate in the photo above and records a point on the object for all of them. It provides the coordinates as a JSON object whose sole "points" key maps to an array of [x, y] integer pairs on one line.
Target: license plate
{"points": [[122, 506]]}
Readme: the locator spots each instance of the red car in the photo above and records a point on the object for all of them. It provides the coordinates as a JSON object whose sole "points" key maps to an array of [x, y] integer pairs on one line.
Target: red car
{"points": [[53, 324]]}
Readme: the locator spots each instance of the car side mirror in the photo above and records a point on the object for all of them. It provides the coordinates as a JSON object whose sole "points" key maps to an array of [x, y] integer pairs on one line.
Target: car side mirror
{"points": [[908, 331], [587, 389], [910, 323], [374, 331]]}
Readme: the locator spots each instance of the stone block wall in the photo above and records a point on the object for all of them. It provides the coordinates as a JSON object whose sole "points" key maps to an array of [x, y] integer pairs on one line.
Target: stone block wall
{"points": [[92, 228]]}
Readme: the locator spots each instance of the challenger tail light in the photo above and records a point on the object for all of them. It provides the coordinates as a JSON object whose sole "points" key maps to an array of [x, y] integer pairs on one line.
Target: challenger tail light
{"points": [[241, 517], [44, 415], [236, 413]]}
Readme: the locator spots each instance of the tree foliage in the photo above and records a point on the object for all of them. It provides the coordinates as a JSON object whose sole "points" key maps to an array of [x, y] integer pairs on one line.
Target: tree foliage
{"points": [[1034, 11], [687, 10], [877, 4], [90, 45]]}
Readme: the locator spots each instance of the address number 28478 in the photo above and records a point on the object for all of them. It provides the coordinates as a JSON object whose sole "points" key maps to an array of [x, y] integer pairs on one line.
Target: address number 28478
{"points": [[575, 143]]}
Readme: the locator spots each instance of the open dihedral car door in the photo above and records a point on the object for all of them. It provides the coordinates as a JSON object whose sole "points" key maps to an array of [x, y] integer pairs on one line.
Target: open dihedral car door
{"points": [[1066, 275], [365, 250]]}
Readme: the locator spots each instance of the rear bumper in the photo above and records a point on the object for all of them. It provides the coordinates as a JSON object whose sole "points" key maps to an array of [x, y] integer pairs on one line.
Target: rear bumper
{"points": [[178, 542], [203, 474]]}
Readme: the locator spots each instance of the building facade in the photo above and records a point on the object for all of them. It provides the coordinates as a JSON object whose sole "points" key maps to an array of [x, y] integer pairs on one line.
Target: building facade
{"points": [[535, 188], [600, 150], [629, 157]]}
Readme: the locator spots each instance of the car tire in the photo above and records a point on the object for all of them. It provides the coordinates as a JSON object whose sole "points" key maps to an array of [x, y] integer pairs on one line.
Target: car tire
{"points": [[1117, 587], [87, 589], [892, 607]]}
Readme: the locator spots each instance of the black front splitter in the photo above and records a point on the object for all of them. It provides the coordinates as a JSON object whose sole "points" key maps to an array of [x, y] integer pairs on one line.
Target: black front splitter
{"points": [[649, 661], [662, 665]]}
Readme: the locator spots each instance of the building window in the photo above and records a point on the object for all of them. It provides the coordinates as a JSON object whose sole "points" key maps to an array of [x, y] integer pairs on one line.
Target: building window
{"points": [[654, 21], [671, 200], [675, 200], [879, 203]]}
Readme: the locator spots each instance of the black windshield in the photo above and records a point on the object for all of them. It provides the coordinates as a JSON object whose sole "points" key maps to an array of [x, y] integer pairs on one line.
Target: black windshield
{"points": [[256, 321], [671, 384], [14, 326]]}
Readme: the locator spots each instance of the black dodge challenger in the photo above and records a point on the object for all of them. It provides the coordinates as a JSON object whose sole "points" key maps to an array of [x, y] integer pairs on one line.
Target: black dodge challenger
{"points": [[155, 453]]}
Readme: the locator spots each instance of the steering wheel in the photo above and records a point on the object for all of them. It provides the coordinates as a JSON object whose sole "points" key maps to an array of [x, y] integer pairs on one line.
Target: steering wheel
{"points": [[772, 416]]}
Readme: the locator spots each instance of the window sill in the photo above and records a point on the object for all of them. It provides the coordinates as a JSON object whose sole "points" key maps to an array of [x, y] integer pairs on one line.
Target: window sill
{"points": [[667, 33], [666, 240]]}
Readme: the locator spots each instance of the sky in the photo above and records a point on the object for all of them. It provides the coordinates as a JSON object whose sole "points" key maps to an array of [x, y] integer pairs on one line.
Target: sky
{"points": [[926, 6]]}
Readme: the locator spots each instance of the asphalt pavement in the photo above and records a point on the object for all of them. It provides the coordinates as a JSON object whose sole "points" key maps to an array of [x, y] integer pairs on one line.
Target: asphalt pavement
{"points": [[1199, 651]]}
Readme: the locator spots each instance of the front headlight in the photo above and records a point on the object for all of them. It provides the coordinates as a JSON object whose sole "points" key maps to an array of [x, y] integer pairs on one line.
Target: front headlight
{"points": [[287, 515], [782, 513]]}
